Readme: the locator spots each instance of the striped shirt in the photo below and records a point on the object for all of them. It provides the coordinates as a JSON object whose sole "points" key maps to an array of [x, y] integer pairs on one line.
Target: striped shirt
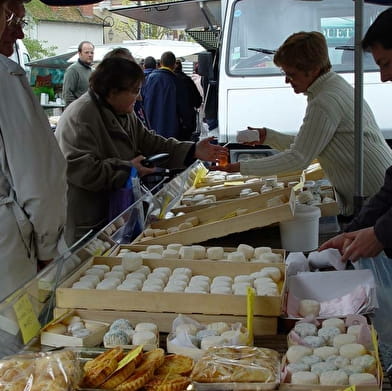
{"points": [[327, 133]]}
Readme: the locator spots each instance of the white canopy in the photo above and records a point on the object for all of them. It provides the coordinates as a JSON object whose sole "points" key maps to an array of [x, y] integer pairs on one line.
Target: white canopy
{"points": [[148, 47]]}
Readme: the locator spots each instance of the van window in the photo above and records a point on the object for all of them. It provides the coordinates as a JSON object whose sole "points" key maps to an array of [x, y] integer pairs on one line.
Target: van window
{"points": [[257, 25]]}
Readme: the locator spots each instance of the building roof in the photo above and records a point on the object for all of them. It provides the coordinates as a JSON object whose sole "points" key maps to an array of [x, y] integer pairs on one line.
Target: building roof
{"points": [[41, 12]]}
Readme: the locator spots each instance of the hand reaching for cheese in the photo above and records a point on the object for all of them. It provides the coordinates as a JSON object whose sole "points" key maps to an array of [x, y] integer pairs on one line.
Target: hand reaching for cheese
{"points": [[142, 170]]}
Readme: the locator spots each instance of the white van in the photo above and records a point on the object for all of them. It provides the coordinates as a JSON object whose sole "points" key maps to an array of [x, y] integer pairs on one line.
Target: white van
{"points": [[21, 56], [251, 89]]}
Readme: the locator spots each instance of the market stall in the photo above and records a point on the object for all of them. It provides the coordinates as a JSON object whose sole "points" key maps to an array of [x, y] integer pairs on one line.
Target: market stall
{"points": [[185, 299]]}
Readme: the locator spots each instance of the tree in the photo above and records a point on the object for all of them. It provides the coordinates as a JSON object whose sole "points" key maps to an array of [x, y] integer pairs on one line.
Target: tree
{"points": [[36, 50]]}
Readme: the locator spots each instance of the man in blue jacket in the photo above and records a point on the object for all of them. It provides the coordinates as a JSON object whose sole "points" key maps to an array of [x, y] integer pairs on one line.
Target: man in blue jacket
{"points": [[160, 98]]}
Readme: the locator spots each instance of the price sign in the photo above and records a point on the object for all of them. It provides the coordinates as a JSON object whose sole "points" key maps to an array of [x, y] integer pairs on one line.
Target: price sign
{"points": [[27, 320]]}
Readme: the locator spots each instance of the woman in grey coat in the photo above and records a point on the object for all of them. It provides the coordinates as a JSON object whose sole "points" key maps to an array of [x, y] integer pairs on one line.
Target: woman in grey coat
{"points": [[102, 139]]}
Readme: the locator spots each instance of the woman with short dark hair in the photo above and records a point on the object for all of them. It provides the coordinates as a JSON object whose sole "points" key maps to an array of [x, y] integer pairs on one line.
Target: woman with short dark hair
{"points": [[102, 139]]}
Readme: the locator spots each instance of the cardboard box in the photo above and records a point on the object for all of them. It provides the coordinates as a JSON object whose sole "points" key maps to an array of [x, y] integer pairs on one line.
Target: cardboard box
{"points": [[221, 220], [97, 329], [187, 303]]}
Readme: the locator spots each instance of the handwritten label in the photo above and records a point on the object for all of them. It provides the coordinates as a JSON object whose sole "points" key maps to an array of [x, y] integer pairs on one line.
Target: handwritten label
{"points": [[129, 357], [27, 320]]}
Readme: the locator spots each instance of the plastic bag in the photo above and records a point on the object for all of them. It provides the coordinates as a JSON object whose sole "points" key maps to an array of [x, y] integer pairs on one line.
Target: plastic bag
{"points": [[58, 370]]}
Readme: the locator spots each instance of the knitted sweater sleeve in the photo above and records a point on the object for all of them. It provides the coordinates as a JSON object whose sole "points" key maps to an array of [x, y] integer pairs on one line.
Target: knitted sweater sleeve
{"points": [[317, 130]]}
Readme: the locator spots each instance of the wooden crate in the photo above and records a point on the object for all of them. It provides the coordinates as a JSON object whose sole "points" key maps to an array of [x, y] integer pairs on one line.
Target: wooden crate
{"points": [[220, 220], [187, 303], [262, 325]]}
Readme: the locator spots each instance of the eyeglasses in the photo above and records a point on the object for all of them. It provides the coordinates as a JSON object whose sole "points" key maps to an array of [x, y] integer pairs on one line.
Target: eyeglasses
{"points": [[288, 76], [14, 21]]}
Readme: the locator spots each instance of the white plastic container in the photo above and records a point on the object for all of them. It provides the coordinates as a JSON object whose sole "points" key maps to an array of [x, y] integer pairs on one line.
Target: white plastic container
{"points": [[301, 233]]}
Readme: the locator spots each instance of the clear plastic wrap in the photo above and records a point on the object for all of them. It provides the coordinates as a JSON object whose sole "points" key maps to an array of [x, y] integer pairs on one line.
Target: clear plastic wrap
{"points": [[50, 371], [237, 364]]}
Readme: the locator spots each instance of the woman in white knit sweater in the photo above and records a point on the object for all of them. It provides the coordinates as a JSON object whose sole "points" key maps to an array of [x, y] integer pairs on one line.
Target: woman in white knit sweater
{"points": [[327, 131]]}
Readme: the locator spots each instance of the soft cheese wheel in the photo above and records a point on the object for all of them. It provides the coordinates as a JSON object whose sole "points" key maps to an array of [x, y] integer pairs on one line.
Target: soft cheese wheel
{"points": [[131, 261], [304, 377], [90, 277], [86, 284], [362, 378], [215, 253], [199, 251], [171, 230], [147, 326], [267, 291], [179, 277], [366, 361], [272, 272], [270, 258], [343, 339], [159, 232], [174, 246], [182, 270], [326, 351], [105, 268], [187, 252], [305, 329], [115, 274], [309, 307], [352, 350], [144, 338], [335, 322], [96, 271], [162, 270], [155, 248], [137, 276], [329, 333], [128, 286], [236, 256], [334, 378], [170, 254], [200, 277], [247, 250], [223, 278], [118, 268], [261, 250], [177, 283]]}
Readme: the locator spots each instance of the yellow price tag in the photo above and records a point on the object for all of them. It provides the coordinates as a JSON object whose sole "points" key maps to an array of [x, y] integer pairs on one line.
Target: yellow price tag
{"points": [[250, 299], [165, 204], [234, 183], [27, 320], [201, 172], [351, 388], [129, 357], [97, 252]]}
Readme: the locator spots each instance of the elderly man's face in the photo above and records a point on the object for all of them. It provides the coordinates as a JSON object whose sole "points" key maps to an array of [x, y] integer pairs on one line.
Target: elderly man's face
{"points": [[13, 29]]}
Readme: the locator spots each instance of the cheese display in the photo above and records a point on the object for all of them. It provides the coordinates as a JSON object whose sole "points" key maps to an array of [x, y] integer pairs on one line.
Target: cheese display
{"points": [[342, 360]]}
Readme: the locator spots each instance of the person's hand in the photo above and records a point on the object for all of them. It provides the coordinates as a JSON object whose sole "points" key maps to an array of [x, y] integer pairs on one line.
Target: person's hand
{"points": [[41, 264], [339, 242], [230, 167], [141, 170], [210, 152], [363, 244]]}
